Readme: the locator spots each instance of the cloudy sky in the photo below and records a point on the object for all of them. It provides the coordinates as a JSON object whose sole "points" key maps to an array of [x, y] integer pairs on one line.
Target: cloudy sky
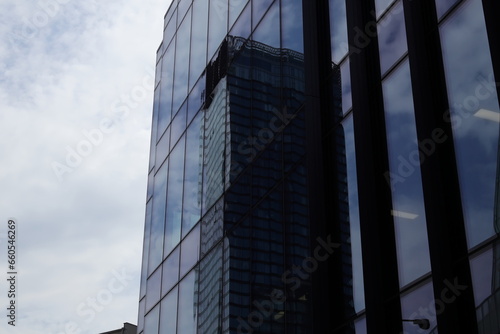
{"points": [[76, 86]]}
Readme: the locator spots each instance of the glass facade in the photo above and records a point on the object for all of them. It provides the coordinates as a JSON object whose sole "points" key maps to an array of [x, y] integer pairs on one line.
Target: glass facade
{"points": [[324, 166]]}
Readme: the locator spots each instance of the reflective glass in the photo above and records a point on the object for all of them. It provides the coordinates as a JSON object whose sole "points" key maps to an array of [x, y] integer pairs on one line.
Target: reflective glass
{"points": [[190, 250], [198, 40], [158, 218], [196, 98], [188, 304], [482, 269], [174, 197], [235, 8], [163, 147], [243, 26], [474, 115], [182, 63], [345, 75], [154, 128], [168, 314], [145, 249], [338, 30], [170, 29], [140, 320], [268, 31], [167, 77], [151, 321], [352, 189], [153, 289], [291, 20], [442, 6], [360, 325], [382, 5], [217, 28], [170, 271], [258, 9], [182, 8], [193, 174], [420, 304], [178, 124], [392, 37], [404, 176]]}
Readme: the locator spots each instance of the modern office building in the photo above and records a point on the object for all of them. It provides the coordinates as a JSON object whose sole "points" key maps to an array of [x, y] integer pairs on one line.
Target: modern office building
{"points": [[325, 166]]}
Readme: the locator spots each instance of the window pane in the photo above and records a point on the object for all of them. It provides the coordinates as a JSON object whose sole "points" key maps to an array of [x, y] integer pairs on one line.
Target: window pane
{"points": [[474, 115], [190, 250], [174, 197], [168, 315], [443, 5], [198, 40], [392, 37], [182, 8], [243, 25], [170, 271], [151, 321], [345, 76], [338, 30], [162, 148], [268, 31], [145, 249], [153, 289], [140, 320], [158, 218], [259, 7], [167, 77], [381, 6], [404, 176], [419, 304], [182, 63], [188, 304], [196, 98], [217, 25], [291, 15], [193, 174], [178, 125], [235, 8]]}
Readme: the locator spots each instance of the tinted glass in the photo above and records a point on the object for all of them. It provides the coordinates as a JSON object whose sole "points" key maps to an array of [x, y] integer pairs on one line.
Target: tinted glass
{"points": [[145, 249], [182, 63], [235, 8], [153, 289], [420, 304], [291, 15], [165, 109], [382, 5], [443, 5], [268, 31], [163, 147], [188, 304], [168, 314], [338, 30], [170, 271], [345, 74], [151, 321], [190, 250], [198, 40], [217, 28], [158, 218], [243, 25], [392, 37], [258, 9], [474, 115]]}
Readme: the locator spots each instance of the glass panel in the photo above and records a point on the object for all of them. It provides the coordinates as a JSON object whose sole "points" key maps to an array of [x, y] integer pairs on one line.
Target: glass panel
{"points": [[242, 27], [151, 179], [193, 174], [166, 90], [182, 63], [154, 127], [163, 147], [442, 6], [392, 37], [235, 8], [170, 271], [168, 317], [170, 29], [140, 319], [158, 218], [482, 276], [198, 40], [190, 251], [151, 321], [178, 124], [153, 289], [210, 288], [345, 72], [291, 16], [145, 249], [338, 30], [196, 98], [381, 6], [258, 9], [188, 304], [268, 31], [360, 325], [217, 25], [420, 304], [182, 8], [474, 115], [352, 189], [404, 176], [174, 197]]}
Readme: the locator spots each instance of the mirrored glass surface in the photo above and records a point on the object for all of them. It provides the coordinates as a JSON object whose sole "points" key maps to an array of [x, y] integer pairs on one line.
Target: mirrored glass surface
{"points": [[153, 289], [140, 320], [420, 304], [382, 5], [243, 26], [158, 218], [338, 30], [170, 28], [235, 9], [190, 250], [193, 174], [151, 321], [291, 21], [404, 176], [168, 313], [392, 37], [345, 75], [196, 98], [174, 197], [181, 75], [442, 6], [182, 8], [163, 147], [268, 31], [198, 56], [360, 325], [258, 9], [188, 304], [170, 268], [145, 249], [217, 25], [165, 109], [178, 124], [154, 128], [474, 115]]}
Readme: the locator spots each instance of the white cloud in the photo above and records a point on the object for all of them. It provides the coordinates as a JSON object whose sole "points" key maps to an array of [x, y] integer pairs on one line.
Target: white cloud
{"points": [[61, 77]]}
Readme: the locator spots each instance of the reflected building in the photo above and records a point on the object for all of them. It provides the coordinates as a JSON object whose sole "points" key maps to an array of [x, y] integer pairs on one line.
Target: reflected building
{"points": [[309, 176]]}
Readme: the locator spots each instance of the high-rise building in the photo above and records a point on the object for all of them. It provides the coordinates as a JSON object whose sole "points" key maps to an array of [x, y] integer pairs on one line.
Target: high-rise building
{"points": [[325, 166]]}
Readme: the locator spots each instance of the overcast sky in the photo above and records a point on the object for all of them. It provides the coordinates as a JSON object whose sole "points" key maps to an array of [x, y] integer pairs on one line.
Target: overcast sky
{"points": [[76, 89]]}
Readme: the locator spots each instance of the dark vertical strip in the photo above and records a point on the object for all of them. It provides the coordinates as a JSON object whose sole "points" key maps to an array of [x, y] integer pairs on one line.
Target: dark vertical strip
{"points": [[383, 307], [491, 12], [445, 221]]}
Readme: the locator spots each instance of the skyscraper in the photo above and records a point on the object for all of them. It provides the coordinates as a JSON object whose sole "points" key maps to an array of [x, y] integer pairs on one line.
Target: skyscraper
{"points": [[324, 166]]}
